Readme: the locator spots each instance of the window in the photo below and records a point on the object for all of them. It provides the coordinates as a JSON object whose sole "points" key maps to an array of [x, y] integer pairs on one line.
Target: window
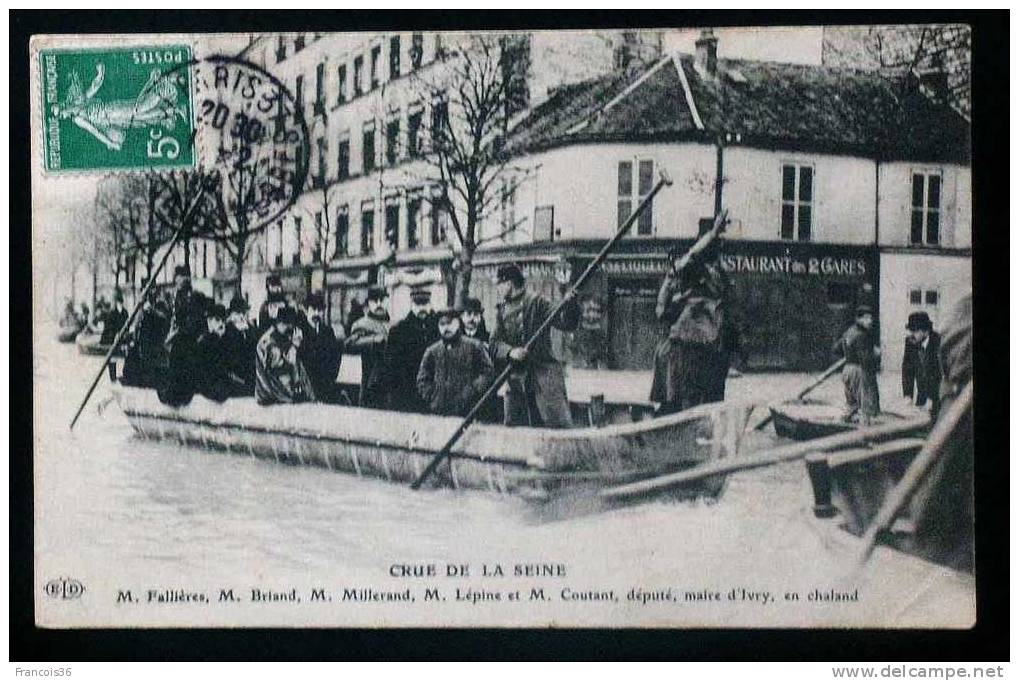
{"points": [[281, 49], [320, 237], [300, 240], [341, 240], [414, 133], [299, 42], [392, 229], [925, 224], [319, 180], [320, 88], [394, 57], [392, 141], [343, 157], [628, 199], [341, 84], [797, 201], [417, 50], [413, 214], [368, 148], [440, 119], [544, 223], [358, 76], [299, 94], [507, 206], [367, 229], [930, 298], [376, 55], [916, 297], [924, 298], [439, 219]]}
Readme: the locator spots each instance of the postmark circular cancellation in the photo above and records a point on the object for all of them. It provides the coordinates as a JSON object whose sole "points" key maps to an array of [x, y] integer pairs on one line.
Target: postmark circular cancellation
{"points": [[157, 109]]}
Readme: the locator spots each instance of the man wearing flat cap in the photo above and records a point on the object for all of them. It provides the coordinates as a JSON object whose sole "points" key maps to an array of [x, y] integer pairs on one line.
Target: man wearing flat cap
{"points": [[859, 374], [536, 391], [320, 351], [408, 340], [455, 370], [368, 338], [921, 372]]}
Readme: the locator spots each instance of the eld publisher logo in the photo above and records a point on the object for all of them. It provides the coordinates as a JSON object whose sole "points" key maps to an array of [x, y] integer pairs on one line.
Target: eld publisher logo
{"points": [[64, 588]]}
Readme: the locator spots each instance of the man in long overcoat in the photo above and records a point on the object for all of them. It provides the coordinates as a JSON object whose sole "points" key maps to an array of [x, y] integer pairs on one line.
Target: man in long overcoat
{"points": [[408, 340], [455, 370], [320, 351], [368, 338], [187, 323], [921, 372], [536, 391]]}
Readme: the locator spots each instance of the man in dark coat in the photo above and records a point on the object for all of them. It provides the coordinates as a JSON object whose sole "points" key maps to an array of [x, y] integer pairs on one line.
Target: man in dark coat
{"points": [[115, 320], [212, 367], [368, 338], [274, 302], [408, 340], [472, 321], [145, 362], [589, 344], [240, 339], [921, 372], [280, 376], [455, 370], [691, 364], [536, 391], [859, 374], [187, 323], [320, 351]]}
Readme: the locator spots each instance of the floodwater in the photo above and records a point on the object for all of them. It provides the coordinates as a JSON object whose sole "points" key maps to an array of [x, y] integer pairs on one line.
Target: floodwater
{"points": [[116, 512]]}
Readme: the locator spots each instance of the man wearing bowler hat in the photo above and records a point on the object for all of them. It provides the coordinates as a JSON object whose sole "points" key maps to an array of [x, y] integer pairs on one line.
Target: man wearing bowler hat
{"points": [[921, 373], [408, 340], [320, 351], [368, 338], [536, 391]]}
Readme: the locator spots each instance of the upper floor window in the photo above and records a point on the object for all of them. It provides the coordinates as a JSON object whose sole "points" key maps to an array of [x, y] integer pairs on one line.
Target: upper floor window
{"points": [[299, 42], [635, 180], [417, 50], [440, 120], [341, 84], [341, 239], [413, 215], [299, 94], [392, 141], [392, 226], [367, 229], [925, 222], [797, 201], [394, 57], [343, 157], [368, 148], [376, 56], [320, 88], [281, 49], [358, 75], [414, 132]]}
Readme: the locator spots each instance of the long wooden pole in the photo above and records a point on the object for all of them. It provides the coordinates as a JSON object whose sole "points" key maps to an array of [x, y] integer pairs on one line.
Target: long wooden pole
{"points": [[917, 471], [567, 297], [138, 306], [767, 458], [807, 390]]}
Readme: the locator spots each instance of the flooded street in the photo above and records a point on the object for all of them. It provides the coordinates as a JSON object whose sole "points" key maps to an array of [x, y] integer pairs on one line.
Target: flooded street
{"points": [[117, 512]]}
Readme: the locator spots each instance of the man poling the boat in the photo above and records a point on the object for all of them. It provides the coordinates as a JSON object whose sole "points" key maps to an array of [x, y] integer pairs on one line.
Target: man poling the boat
{"points": [[567, 297], [455, 370], [145, 362], [859, 375], [187, 322]]}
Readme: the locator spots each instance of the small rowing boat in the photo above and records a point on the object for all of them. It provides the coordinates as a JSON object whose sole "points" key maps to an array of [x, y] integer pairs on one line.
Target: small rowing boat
{"points": [[808, 420], [397, 446], [89, 344]]}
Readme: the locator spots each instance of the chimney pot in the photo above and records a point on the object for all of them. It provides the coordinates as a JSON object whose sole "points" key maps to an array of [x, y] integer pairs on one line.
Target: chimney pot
{"points": [[706, 58]]}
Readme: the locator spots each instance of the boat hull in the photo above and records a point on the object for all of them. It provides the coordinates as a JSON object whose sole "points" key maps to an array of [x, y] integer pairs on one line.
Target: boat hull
{"points": [[397, 446], [812, 420]]}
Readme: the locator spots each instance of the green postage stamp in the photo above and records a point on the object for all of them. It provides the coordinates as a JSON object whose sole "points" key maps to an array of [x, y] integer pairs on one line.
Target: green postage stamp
{"points": [[117, 108]]}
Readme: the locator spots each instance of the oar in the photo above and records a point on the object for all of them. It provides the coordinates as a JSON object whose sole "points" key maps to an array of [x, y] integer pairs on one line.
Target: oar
{"points": [[807, 390], [767, 458], [664, 180], [138, 306], [917, 471]]}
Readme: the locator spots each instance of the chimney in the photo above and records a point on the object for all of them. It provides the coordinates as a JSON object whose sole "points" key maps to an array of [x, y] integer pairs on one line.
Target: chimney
{"points": [[706, 60]]}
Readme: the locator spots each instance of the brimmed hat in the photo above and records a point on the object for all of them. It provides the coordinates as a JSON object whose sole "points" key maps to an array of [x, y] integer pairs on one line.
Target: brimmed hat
{"points": [[919, 321], [238, 304], [377, 293], [420, 294], [288, 315], [473, 305], [216, 311], [509, 272], [181, 271], [451, 312], [315, 300]]}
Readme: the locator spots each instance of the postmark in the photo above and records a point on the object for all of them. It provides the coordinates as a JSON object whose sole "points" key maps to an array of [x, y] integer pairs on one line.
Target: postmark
{"points": [[117, 108]]}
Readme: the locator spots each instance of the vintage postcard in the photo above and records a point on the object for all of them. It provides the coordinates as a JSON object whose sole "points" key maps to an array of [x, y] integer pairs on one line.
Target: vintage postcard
{"points": [[602, 328]]}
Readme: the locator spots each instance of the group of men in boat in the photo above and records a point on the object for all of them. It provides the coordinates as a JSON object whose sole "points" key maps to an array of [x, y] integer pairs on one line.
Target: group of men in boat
{"points": [[438, 362]]}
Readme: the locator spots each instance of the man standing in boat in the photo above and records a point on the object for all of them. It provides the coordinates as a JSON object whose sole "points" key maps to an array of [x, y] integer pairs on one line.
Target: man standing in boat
{"points": [[187, 322], [921, 372], [455, 370], [368, 338], [274, 302], [536, 390], [115, 319], [472, 321], [859, 375], [320, 350], [280, 375], [408, 340], [214, 378], [146, 356], [240, 339], [691, 364]]}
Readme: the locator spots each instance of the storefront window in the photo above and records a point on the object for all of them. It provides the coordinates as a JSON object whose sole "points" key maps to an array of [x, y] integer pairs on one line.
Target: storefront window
{"points": [[925, 223], [797, 201]]}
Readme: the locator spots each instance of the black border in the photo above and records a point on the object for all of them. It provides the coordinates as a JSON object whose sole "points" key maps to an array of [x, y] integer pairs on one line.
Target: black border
{"points": [[987, 641]]}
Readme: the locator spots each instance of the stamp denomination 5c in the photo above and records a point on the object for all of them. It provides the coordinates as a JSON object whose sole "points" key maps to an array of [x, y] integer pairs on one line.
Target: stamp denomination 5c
{"points": [[117, 108]]}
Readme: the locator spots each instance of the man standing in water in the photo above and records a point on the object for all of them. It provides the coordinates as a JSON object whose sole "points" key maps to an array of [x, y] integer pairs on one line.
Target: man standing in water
{"points": [[536, 391], [859, 375], [691, 364]]}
